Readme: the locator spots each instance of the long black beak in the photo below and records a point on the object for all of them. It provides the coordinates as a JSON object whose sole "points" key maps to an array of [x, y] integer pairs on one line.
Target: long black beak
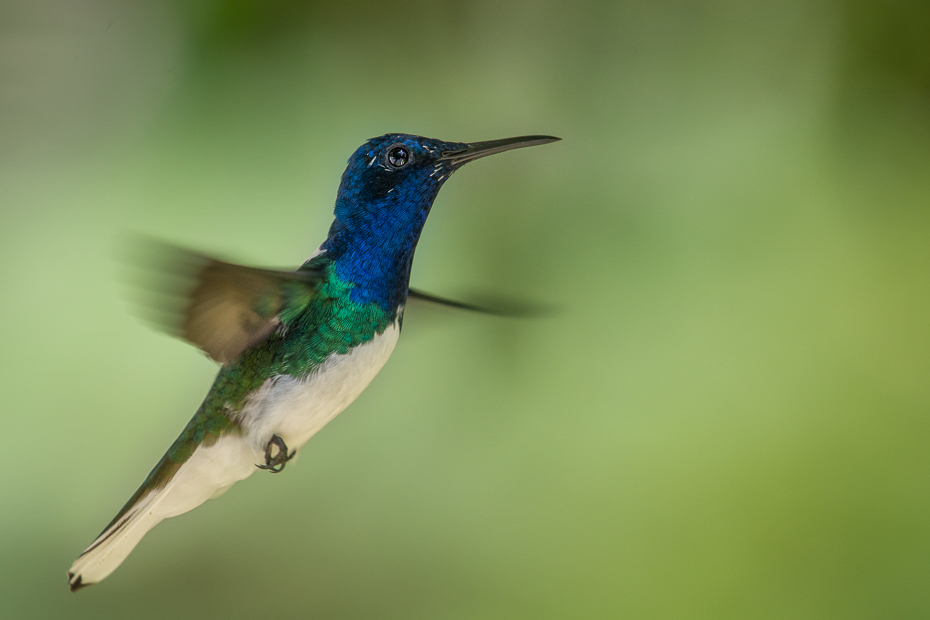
{"points": [[475, 150]]}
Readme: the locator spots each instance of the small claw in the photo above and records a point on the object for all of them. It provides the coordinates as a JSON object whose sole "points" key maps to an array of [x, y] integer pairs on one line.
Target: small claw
{"points": [[275, 464]]}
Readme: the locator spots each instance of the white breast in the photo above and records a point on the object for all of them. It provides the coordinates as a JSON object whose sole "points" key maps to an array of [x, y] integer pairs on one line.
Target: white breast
{"points": [[295, 409]]}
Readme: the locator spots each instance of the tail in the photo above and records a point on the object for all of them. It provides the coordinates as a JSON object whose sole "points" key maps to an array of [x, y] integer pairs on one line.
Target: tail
{"points": [[175, 486]]}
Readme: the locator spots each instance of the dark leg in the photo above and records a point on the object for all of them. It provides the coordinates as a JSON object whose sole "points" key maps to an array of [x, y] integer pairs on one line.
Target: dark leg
{"points": [[275, 464]]}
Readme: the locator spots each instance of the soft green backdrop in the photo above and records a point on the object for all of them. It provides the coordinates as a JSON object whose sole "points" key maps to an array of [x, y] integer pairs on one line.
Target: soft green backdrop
{"points": [[728, 416]]}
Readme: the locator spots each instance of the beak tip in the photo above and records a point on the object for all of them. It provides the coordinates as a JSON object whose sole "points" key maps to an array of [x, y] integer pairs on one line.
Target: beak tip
{"points": [[539, 140], [476, 150]]}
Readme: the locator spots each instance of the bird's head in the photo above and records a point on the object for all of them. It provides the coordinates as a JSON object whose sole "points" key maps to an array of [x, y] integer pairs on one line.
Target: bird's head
{"points": [[392, 180], [386, 194]]}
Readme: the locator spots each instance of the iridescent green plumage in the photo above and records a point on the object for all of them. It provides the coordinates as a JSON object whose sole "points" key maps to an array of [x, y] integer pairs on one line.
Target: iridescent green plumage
{"points": [[309, 332]]}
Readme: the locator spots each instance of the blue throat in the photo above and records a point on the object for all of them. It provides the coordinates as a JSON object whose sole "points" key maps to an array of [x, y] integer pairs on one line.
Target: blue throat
{"points": [[380, 213], [377, 266]]}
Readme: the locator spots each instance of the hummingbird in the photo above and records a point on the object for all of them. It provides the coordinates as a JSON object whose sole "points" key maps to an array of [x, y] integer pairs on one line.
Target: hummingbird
{"points": [[296, 347]]}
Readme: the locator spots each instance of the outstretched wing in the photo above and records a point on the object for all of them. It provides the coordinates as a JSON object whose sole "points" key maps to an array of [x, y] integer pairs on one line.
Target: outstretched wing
{"points": [[222, 308]]}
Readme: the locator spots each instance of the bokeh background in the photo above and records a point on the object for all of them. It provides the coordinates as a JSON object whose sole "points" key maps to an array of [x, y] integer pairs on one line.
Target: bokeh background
{"points": [[726, 416]]}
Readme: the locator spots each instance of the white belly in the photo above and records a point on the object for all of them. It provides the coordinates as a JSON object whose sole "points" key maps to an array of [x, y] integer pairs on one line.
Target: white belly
{"points": [[295, 409]]}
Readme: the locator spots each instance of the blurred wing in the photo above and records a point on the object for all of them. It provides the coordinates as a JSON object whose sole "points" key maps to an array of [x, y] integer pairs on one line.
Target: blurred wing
{"points": [[220, 307], [507, 309]]}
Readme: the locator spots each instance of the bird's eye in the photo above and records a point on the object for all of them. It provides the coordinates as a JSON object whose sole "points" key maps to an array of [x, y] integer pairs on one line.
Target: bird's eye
{"points": [[398, 156]]}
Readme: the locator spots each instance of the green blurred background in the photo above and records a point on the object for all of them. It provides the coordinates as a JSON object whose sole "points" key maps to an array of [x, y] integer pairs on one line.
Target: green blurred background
{"points": [[727, 417]]}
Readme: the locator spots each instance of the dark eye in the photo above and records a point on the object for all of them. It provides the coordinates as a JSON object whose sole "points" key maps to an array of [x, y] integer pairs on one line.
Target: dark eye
{"points": [[398, 156]]}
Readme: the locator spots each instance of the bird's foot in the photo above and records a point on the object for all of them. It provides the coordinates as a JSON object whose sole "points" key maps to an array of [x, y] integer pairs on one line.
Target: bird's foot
{"points": [[275, 463]]}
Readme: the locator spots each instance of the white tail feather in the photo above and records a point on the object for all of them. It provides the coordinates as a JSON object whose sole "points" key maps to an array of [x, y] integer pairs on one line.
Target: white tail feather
{"points": [[206, 474]]}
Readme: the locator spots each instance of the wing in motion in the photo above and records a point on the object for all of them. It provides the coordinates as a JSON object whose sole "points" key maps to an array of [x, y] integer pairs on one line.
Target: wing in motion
{"points": [[220, 307], [224, 308], [505, 309]]}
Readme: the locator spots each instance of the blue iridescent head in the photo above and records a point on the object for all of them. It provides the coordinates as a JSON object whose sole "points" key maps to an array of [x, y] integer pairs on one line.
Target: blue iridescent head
{"points": [[385, 196]]}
